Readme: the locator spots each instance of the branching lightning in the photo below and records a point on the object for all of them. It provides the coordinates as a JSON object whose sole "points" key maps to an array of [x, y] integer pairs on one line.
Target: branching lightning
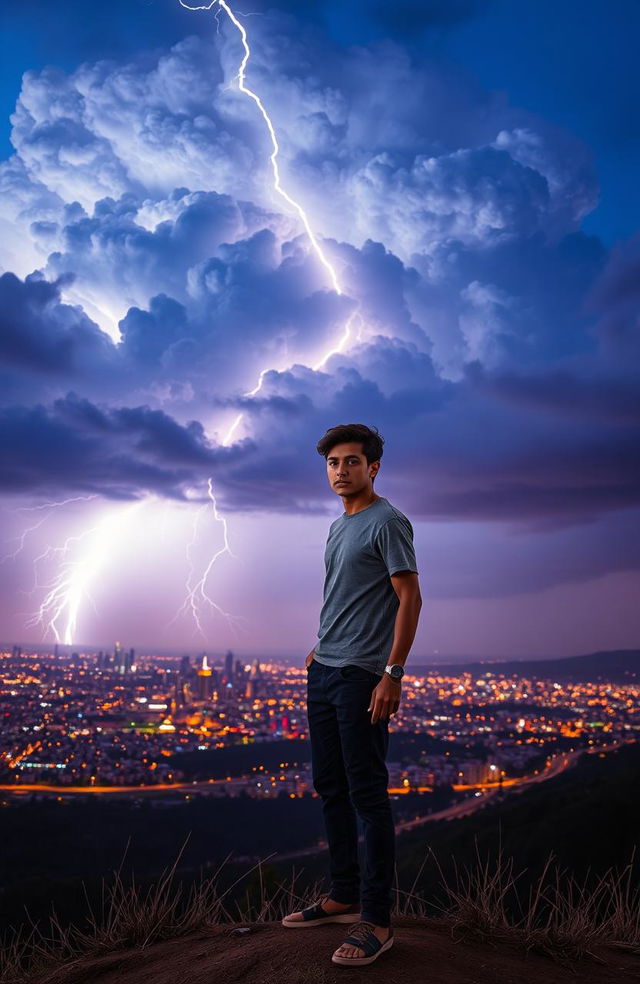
{"points": [[21, 539], [197, 594]]}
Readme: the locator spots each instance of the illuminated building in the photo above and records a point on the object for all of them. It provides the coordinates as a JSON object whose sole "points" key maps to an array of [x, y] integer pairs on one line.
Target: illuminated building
{"points": [[205, 683]]}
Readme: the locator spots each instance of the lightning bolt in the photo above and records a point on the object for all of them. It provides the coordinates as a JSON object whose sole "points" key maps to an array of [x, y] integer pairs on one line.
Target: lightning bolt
{"points": [[241, 76], [71, 585], [197, 591], [277, 184]]}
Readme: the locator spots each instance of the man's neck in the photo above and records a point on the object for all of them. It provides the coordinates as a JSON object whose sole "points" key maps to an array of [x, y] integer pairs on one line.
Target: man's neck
{"points": [[356, 503]]}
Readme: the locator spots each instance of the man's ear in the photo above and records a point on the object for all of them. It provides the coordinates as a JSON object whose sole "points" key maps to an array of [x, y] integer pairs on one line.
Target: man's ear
{"points": [[375, 467]]}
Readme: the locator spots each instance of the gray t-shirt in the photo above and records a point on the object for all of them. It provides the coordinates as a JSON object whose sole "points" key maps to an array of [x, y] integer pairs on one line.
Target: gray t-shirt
{"points": [[359, 609]]}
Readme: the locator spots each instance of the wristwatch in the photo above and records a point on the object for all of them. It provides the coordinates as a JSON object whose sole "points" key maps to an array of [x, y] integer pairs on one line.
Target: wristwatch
{"points": [[395, 671]]}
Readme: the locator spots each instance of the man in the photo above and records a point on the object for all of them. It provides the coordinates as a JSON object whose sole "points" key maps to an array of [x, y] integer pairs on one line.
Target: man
{"points": [[367, 626]]}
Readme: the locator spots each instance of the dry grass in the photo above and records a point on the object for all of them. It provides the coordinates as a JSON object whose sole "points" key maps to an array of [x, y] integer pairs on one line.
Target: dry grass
{"points": [[563, 919]]}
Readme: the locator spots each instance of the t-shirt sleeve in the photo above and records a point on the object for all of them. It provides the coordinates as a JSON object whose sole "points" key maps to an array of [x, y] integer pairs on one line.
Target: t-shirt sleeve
{"points": [[394, 543]]}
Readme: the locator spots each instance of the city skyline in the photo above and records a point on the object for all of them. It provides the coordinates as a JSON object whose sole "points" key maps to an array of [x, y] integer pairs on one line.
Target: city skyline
{"points": [[116, 723]]}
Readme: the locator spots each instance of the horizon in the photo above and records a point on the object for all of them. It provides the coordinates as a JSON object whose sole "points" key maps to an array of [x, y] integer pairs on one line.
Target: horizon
{"points": [[177, 652]]}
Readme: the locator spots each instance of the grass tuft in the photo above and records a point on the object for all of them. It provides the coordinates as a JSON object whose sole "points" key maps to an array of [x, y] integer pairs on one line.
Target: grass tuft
{"points": [[565, 920]]}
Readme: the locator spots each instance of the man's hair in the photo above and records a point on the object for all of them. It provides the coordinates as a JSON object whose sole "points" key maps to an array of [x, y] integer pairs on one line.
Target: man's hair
{"points": [[371, 441]]}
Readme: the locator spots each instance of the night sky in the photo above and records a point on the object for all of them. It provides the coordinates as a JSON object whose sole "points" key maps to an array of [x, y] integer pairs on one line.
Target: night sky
{"points": [[470, 171]]}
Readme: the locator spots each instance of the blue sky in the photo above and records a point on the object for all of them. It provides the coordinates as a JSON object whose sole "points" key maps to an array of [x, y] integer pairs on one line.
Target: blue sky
{"points": [[172, 346]]}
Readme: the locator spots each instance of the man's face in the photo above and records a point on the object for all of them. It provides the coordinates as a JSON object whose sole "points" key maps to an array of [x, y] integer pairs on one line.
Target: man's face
{"points": [[347, 469]]}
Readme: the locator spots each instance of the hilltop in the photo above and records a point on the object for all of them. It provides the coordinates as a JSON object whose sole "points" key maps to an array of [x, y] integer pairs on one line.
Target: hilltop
{"points": [[424, 950]]}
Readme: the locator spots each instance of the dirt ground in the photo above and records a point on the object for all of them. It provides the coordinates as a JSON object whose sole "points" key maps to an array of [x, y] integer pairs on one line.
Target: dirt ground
{"points": [[423, 952]]}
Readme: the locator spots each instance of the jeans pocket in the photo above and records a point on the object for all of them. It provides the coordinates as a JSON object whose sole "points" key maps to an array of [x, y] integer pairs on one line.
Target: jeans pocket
{"points": [[358, 673]]}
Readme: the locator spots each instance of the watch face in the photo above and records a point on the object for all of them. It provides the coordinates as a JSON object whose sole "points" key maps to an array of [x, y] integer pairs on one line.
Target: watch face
{"points": [[397, 672]]}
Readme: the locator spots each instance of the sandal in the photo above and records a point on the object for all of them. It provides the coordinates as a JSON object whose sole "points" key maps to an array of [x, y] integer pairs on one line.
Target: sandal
{"points": [[365, 939], [313, 915]]}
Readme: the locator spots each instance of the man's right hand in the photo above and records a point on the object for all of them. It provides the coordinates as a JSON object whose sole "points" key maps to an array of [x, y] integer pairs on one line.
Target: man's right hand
{"points": [[309, 659]]}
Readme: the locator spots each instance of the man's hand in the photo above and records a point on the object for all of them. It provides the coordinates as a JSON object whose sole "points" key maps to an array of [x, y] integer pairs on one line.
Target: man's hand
{"points": [[309, 659], [385, 699]]}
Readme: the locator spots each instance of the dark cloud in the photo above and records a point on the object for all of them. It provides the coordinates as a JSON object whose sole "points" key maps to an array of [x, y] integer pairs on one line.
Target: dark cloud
{"points": [[454, 453], [40, 334], [149, 336], [613, 400], [118, 453]]}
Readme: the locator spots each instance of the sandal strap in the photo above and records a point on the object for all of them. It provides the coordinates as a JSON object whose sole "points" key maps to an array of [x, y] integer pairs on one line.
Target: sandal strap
{"points": [[316, 911], [365, 940]]}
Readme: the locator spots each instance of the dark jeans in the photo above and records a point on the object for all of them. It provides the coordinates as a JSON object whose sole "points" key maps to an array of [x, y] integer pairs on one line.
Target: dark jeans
{"points": [[349, 774]]}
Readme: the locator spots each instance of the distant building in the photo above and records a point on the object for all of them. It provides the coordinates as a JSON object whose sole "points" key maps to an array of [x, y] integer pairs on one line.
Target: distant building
{"points": [[228, 665], [255, 677], [120, 658], [473, 771], [205, 683]]}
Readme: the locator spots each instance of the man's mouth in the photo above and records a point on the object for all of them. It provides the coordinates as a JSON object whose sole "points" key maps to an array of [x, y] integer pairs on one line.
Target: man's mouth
{"points": [[343, 483]]}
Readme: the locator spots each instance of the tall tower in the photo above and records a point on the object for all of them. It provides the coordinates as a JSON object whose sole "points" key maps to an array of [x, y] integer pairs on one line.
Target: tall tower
{"points": [[204, 680], [120, 658], [228, 665], [255, 677]]}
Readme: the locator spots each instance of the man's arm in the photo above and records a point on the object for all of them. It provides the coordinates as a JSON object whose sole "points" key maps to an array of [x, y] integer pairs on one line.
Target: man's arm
{"points": [[385, 699], [406, 586]]}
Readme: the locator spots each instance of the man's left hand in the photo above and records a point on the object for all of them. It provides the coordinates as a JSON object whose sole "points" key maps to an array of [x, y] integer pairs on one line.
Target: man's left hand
{"points": [[385, 699]]}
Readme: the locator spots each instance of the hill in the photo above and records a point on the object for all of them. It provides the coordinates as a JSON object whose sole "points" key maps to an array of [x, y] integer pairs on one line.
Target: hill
{"points": [[617, 665]]}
